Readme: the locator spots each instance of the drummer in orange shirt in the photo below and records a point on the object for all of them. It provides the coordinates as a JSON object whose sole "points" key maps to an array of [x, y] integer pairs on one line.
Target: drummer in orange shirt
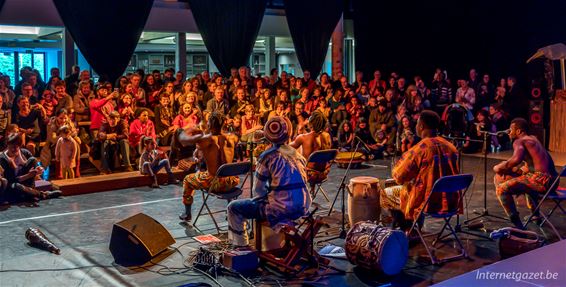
{"points": [[417, 170]]}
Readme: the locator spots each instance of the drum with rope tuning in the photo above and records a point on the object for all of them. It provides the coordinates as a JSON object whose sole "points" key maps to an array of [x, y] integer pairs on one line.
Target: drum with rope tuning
{"points": [[378, 248], [363, 199]]}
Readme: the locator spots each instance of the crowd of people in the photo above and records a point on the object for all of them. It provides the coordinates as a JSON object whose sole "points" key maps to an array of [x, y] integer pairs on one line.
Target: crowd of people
{"points": [[136, 122]]}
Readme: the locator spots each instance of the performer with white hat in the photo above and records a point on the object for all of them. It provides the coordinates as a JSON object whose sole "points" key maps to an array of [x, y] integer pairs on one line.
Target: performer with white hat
{"points": [[280, 186]]}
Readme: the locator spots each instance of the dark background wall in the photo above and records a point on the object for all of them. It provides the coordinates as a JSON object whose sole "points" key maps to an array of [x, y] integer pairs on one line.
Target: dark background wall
{"points": [[495, 36]]}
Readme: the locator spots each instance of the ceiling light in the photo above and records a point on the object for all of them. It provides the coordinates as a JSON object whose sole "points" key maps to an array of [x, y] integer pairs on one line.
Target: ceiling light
{"points": [[19, 30], [194, 36]]}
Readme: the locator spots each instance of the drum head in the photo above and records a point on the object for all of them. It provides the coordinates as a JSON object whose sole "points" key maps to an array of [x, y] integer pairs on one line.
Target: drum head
{"points": [[343, 156], [395, 253], [364, 179]]}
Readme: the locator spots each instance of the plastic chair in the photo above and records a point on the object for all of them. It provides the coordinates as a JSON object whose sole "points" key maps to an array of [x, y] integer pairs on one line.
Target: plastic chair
{"points": [[227, 169], [447, 185], [556, 194], [317, 163]]}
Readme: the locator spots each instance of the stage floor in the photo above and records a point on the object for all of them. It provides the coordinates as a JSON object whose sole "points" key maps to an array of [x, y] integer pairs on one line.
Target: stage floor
{"points": [[81, 226]]}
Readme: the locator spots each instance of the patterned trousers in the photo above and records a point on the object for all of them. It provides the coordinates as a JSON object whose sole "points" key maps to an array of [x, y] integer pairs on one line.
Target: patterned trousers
{"points": [[532, 184], [203, 180]]}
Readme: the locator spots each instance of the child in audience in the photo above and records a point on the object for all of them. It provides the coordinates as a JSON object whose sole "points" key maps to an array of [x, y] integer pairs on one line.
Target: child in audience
{"points": [[368, 144], [141, 127], [407, 137], [126, 108], [323, 108], [152, 161], [66, 152], [49, 102], [364, 94], [345, 136], [382, 137]]}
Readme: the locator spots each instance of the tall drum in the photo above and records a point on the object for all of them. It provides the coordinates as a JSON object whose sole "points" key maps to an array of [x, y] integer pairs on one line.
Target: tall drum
{"points": [[363, 199], [374, 247]]}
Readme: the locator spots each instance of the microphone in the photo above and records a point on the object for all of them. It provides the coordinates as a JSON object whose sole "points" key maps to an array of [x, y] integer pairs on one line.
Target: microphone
{"points": [[504, 131], [257, 137]]}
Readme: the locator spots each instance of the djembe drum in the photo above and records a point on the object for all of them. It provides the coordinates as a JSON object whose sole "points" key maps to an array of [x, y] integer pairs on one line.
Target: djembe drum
{"points": [[363, 199], [378, 248], [513, 241], [343, 159]]}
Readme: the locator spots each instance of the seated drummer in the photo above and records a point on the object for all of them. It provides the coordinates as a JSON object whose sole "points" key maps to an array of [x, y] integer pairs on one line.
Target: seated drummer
{"points": [[316, 139], [513, 177], [280, 185], [216, 149], [417, 170]]}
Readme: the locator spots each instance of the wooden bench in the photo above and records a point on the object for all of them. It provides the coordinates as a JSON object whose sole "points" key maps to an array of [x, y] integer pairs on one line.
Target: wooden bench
{"points": [[100, 183]]}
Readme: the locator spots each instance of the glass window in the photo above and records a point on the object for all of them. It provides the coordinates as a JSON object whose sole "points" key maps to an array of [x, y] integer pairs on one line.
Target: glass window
{"points": [[24, 60], [7, 66], [39, 64]]}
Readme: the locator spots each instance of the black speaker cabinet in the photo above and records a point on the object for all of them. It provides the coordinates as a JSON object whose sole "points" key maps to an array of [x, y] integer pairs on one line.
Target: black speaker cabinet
{"points": [[137, 239], [536, 113]]}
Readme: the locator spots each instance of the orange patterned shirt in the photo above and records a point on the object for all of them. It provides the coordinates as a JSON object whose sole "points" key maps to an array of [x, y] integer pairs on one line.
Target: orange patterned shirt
{"points": [[419, 168]]}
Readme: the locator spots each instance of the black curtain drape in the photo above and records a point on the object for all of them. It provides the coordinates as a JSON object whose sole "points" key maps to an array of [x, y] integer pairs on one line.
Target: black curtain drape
{"points": [[106, 31], [311, 24], [229, 29]]}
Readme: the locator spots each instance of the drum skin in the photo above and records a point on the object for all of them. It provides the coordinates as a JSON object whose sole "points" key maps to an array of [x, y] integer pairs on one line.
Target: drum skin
{"points": [[377, 248], [363, 199], [343, 159]]}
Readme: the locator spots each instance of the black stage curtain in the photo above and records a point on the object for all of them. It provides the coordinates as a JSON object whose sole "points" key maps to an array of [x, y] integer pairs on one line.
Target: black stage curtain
{"points": [[106, 31], [229, 29], [311, 24]]}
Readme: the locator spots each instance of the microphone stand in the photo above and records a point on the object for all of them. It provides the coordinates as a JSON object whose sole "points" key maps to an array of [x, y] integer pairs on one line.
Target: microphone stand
{"points": [[458, 227], [485, 212], [251, 143], [342, 192]]}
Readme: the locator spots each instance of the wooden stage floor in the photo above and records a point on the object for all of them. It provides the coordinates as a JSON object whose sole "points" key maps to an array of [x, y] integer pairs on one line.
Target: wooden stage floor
{"points": [[81, 225]]}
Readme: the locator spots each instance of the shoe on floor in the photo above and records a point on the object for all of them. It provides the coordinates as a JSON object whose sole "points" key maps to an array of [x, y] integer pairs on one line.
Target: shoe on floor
{"points": [[51, 194], [186, 216]]}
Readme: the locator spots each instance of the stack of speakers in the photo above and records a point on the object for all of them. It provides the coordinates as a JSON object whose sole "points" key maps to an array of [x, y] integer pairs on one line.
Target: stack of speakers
{"points": [[536, 113]]}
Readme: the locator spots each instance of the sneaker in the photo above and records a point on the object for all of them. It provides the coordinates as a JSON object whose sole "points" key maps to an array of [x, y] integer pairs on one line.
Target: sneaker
{"points": [[185, 217], [51, 194], [155, 183]]}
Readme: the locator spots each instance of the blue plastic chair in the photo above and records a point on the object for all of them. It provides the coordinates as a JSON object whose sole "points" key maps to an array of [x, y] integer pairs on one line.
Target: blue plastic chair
{"points": [[447, 185], [556, 194], [227, 169]]}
